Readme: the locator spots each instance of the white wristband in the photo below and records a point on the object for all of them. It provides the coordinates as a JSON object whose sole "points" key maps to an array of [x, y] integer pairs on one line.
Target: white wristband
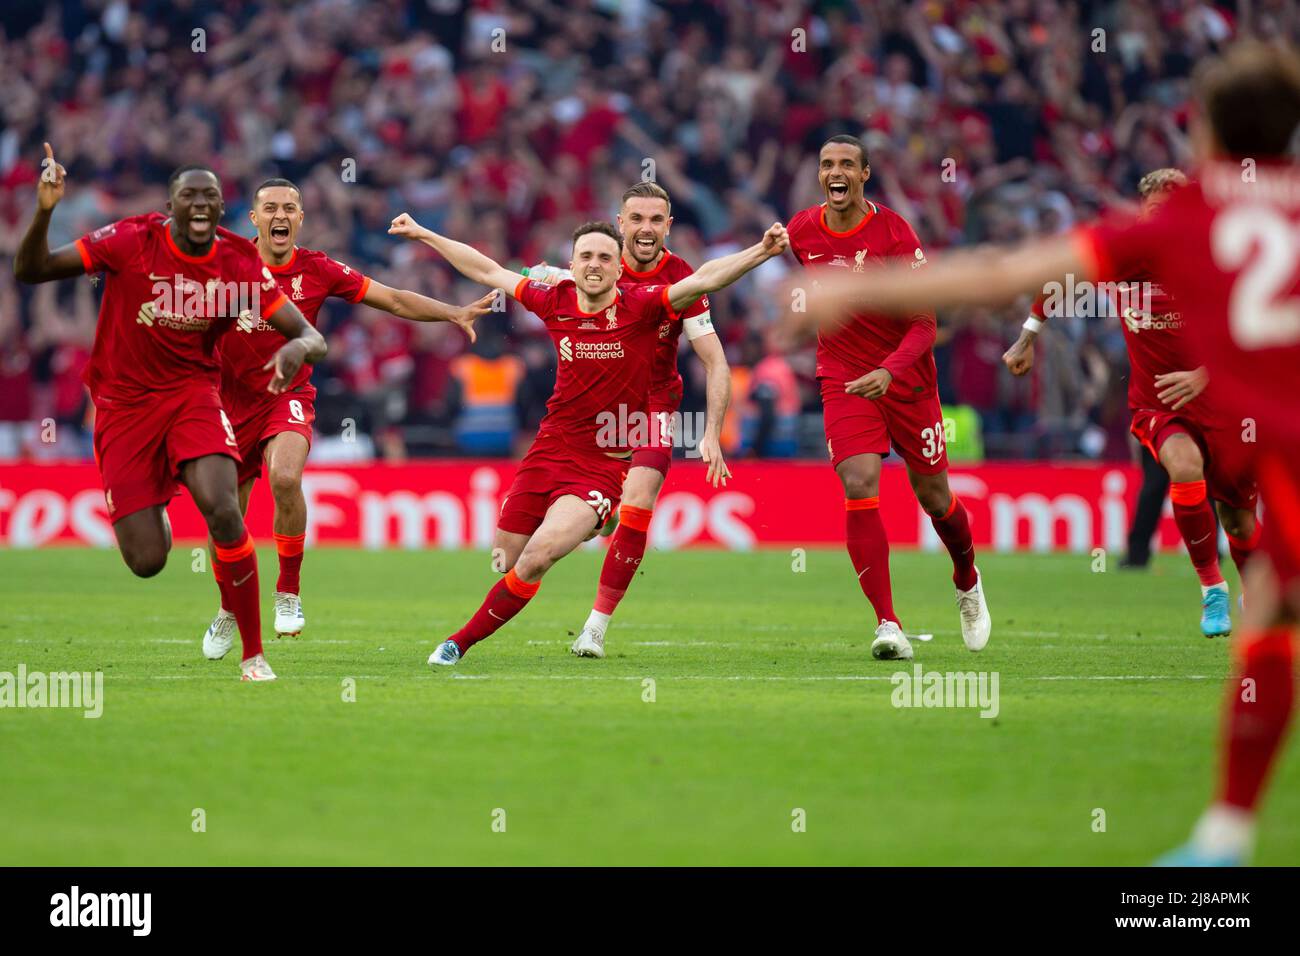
{"points": [[1033, 325]]}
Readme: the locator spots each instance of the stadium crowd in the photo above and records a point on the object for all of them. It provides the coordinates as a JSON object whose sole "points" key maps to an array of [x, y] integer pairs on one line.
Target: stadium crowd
{"points": [[505, 124]]}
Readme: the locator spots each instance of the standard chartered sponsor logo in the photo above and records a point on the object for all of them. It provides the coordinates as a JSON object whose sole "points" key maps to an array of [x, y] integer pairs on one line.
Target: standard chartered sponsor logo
{"points": [[186, 305], [570, 350]]}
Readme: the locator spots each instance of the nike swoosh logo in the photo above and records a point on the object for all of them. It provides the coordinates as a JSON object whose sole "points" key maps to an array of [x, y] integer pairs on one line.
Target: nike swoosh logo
{"points": [[811, 256], [1199, 540], [496, 615], [155, 278], [935, 461], [863, 571], [244, 578]]}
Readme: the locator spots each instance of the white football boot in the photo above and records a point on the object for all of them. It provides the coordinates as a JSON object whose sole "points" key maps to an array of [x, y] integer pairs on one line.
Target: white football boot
{"points": [[890, 643], [590, 643], [975, 621], [289, 621], [256, 668], [447, 654], [220, 637]]}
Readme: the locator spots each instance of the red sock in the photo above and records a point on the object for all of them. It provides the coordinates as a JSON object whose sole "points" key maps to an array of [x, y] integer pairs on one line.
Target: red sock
{"points": [[1242, 549], [954, 531], [1257, 714], [235, 568], [506, 599], [1195, 520], [626, 548], [289, 547], [869, 552]]}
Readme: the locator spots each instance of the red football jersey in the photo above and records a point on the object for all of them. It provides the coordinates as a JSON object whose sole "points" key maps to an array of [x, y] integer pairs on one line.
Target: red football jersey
{"points": [[163, 310], [605, 358], [308, 279], [1228, 250], [869, 341], [665, 377], [1158, 342]]}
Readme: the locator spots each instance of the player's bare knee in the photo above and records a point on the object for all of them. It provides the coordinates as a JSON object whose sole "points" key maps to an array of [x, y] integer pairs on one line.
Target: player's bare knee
{"points": [[860, 484], [147, 561], [935, 502], [1238, 524], [225, 523], [1183, 462], [533, 563], [286, 484]]}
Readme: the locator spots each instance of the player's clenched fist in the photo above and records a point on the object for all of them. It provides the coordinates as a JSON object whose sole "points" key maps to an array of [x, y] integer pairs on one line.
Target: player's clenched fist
{"points": [[49, 190], [1019, 359], [406, 227], [775, 240]]}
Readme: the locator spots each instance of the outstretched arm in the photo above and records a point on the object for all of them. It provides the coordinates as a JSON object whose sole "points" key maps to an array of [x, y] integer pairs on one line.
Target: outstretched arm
{"points": [[466, 260], [305, 345], [720, 273], [34, 262], [420, 308], [986, 276]]}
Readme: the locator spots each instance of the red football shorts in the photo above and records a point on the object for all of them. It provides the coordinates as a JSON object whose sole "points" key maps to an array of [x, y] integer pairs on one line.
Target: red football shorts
{"points": [[657, 452], [864, 426], [258, 419], [140, 446], [552, 469], [1229, 472]]}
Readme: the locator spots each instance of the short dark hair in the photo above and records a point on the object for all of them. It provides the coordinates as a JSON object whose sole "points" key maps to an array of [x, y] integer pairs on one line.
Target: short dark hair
{"points": [[646, 190], [277, 181], [604, 228], [1251, 96], [847, 140], [180, 171]]}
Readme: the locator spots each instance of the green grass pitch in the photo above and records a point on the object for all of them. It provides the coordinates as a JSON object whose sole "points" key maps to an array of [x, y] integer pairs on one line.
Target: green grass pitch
{"points": [[766, 702]]}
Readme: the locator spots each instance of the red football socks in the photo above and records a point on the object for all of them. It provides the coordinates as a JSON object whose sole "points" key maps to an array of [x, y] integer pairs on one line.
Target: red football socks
{"points": [[506, 599], [289, 548], [626, 549], [1195, 520], [1261, 697], [954, 531], [869, 552], [235, 568]]}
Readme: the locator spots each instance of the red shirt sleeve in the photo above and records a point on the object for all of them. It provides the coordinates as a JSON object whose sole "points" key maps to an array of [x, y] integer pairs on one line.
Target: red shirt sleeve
{"points": [[651, 303], [110, 248], [344, 281], [920, 335], [537, 297]]}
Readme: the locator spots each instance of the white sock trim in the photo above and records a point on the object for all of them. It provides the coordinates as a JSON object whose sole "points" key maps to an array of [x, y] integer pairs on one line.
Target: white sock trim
{"points": [[597, 621]]}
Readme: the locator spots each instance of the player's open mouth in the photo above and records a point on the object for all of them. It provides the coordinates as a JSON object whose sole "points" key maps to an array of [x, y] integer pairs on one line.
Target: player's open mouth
{"points": [[200, 224], [644, 244], [280, 232], [838, 190]]}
